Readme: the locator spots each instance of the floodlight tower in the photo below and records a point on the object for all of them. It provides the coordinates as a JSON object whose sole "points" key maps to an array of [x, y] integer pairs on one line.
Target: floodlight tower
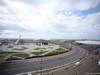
{"points": [[16, 43], [17, 40]]}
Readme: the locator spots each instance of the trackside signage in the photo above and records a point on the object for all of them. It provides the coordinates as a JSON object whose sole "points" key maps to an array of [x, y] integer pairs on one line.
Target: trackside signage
{"points": [[5, 58]]}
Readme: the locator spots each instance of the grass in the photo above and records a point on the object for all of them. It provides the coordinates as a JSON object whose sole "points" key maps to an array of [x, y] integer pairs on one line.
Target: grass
{"points": [[10, 46], [20, 49], [76, 44], [21, 55], [23, 47], [44, 48], [50, 47], [64, 46], [17, 49], [38, 53], [37, 48], [8, 52], [57, 51]]}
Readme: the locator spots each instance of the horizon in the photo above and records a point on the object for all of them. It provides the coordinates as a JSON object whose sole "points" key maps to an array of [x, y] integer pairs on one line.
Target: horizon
{"points": [[49, 39]]}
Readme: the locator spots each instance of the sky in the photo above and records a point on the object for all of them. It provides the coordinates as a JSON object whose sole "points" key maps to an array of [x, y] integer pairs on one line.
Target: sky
{"points": [[50, 19]]}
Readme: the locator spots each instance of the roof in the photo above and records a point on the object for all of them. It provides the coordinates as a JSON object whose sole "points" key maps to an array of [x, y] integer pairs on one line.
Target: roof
{"points": [[89, 42], [40, 40]]}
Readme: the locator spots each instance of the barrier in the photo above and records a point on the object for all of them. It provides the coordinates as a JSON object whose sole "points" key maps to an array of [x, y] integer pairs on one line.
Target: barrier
{"points": [[4, 58]]}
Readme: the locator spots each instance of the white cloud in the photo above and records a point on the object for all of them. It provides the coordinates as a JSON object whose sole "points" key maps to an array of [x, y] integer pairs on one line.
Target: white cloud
{"points": [[38, 16], [9, 31]]}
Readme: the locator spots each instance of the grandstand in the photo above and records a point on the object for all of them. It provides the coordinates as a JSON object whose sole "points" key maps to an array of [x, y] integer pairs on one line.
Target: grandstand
{"points": [[92, 46]]}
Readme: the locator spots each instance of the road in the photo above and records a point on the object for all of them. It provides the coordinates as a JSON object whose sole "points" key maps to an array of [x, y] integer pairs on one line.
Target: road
{"points": [[14, 67], [88, 66]]}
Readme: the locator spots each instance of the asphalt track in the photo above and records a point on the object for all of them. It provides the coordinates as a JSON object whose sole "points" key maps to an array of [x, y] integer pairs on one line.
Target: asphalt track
{"points": [[14, 67]]}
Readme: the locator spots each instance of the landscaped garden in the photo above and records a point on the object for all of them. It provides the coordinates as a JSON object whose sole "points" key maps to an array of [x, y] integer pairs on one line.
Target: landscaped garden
{"points": [[64, 46], [23, 48], [21, 55], [38, 53], [17, 49], [57, 51], [37, 48], [10, 46], [44, 48], [8, 52]]}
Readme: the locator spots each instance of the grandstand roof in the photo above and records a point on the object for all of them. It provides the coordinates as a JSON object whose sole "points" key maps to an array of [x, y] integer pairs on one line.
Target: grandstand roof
{"points": [[89, 42]]}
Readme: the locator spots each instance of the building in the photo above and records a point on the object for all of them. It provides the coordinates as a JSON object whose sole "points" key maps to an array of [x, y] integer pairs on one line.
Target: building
{"points": [[92, 46]]}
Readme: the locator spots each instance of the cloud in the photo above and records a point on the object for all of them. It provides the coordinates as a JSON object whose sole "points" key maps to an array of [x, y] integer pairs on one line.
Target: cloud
{"points": [[2, 3], [49, 19], [80, 4], [64, 4]]}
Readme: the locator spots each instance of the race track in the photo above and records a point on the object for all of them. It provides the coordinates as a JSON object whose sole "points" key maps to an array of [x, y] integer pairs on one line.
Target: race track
{"points": [[14, 67]]}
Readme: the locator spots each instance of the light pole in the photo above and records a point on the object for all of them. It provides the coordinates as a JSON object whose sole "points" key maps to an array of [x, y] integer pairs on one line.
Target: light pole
{"points": [[41, 63], [6, 46], [1, 49], [23, 51], [29, 47], [17, 48], [59, 47]]}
